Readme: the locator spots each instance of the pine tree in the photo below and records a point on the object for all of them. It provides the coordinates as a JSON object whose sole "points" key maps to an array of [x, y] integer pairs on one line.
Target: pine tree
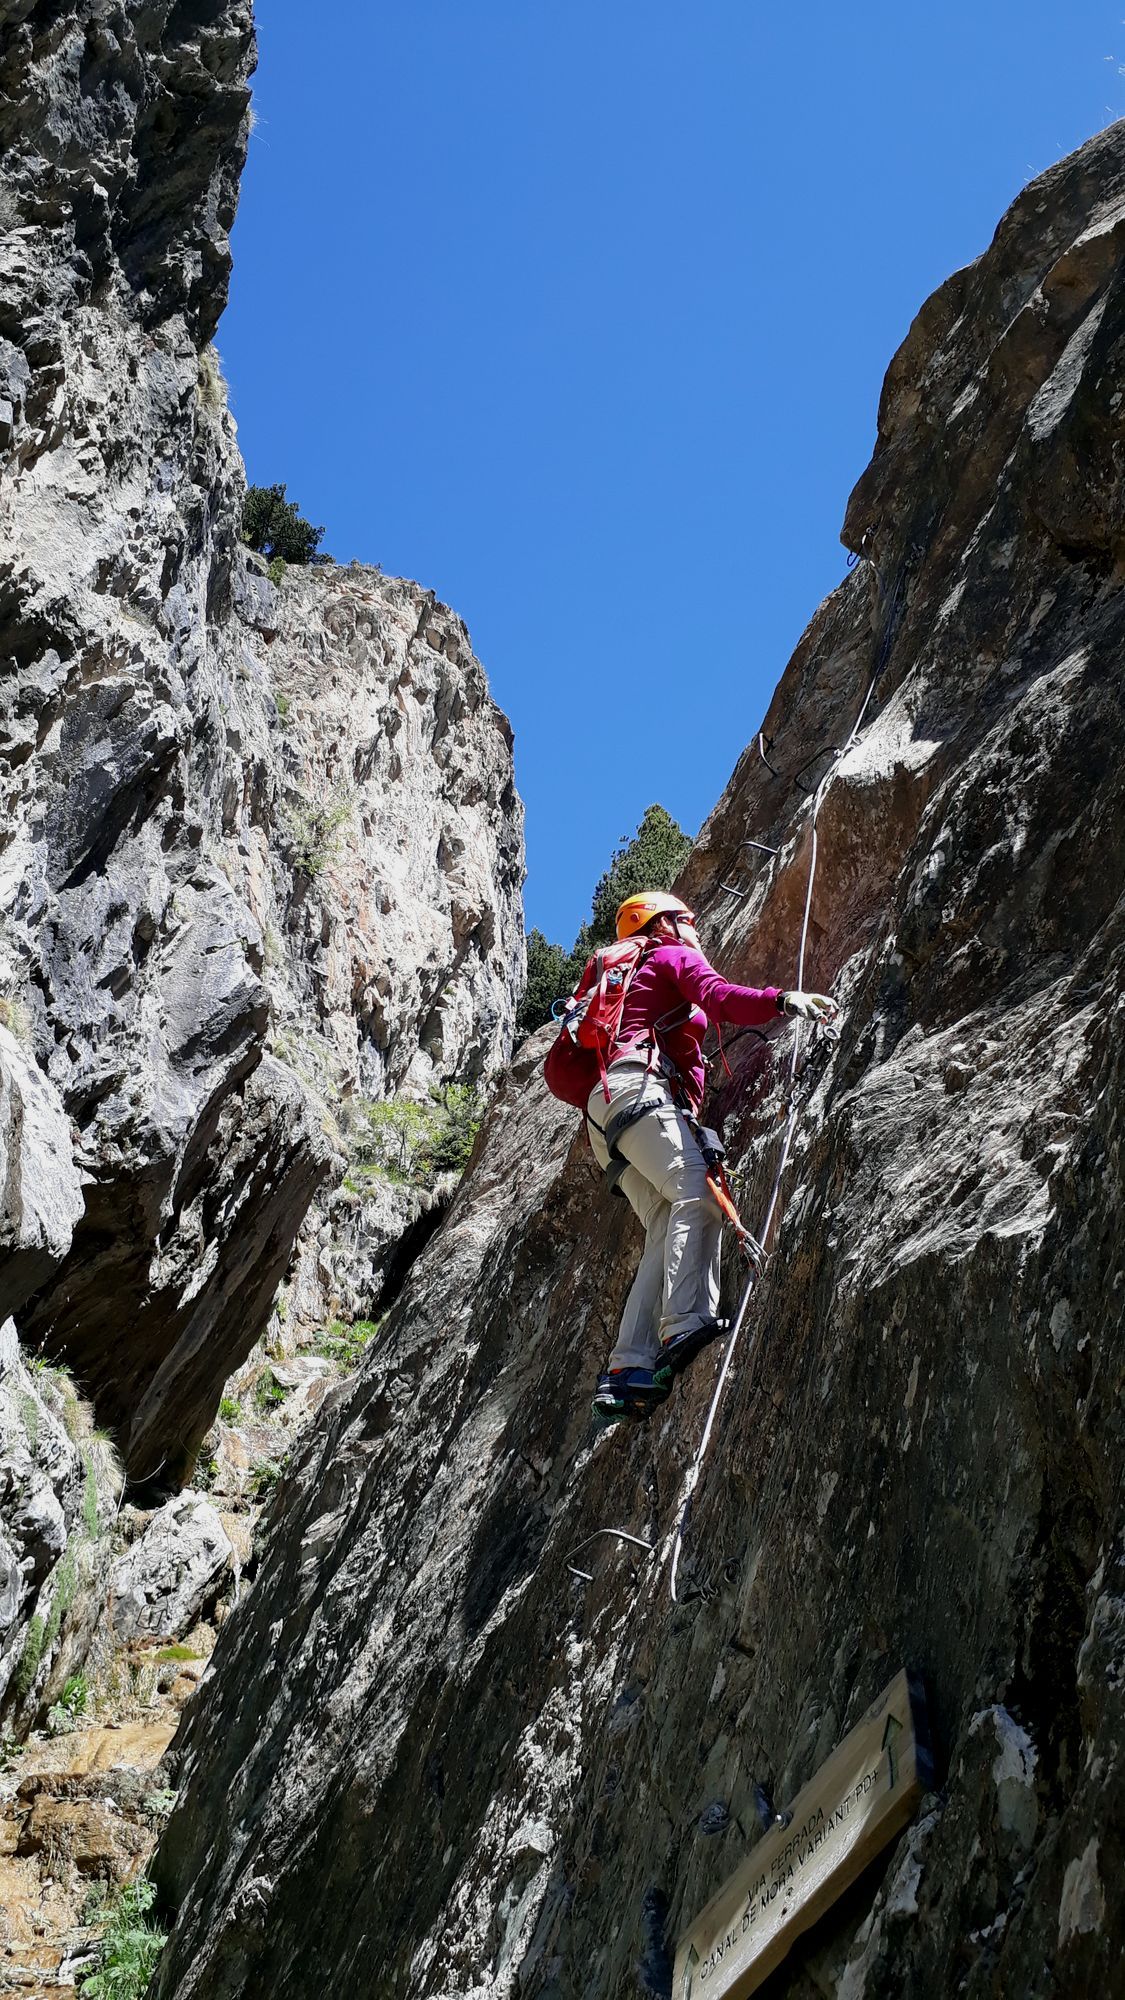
{"points": [[272, 525], [546, 965], [652, 859]]}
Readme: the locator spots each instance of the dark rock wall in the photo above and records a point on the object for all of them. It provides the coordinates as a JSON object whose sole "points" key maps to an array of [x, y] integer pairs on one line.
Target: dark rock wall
{"points": [[131, 958], [430, 1760]]}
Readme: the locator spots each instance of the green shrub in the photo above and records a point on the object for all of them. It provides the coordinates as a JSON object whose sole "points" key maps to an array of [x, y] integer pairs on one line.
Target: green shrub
{"points": [[652, 859], [276, 569], [264, 1476], [413, 1143], [95, 1903], [460, 1107], [29, 1412], [230, 1409], [393, 1135], [90, 1516], [73, 1703], [551, 975], [346, 1344], [272, 525], [66, 1583], [268, 1393], [314, 832], [129, 1948]]}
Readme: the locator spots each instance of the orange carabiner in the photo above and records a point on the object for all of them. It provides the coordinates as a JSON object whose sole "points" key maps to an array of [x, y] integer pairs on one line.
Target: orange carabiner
{"points": [[717, 1182]]}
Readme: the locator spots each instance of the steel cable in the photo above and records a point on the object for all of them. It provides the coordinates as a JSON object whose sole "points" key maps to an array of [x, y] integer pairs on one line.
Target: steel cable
{"points": [[696, 1467]]}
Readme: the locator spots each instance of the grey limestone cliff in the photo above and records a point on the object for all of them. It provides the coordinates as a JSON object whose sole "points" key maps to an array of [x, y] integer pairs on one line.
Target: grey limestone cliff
{"points": [[260, 847], [432, 1761]]}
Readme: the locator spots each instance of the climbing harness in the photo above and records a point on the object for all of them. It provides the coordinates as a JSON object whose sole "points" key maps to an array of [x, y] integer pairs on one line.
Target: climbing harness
{"points": [[656, 1064]]}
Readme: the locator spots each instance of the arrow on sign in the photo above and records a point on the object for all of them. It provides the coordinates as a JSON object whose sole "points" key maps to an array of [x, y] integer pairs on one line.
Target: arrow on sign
{"points": [[889, 1745]]}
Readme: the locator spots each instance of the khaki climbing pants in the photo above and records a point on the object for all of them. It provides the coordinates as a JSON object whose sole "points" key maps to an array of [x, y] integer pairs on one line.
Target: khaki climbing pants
{"points": [[665, 1183]]}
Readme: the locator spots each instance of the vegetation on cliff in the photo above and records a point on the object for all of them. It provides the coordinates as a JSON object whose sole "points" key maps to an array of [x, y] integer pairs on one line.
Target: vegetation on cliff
{"points": [[651, 859], [272, 525], [403, 1140]]}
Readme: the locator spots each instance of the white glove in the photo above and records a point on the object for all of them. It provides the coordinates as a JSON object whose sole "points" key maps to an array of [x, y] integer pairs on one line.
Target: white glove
{"points": [[809, 1006]]}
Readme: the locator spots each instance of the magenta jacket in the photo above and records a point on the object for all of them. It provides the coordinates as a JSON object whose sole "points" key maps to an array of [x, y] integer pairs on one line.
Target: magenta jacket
{"points": [[674, 975]]}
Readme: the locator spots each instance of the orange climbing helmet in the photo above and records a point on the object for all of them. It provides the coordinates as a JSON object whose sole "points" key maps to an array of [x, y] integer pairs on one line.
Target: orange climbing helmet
{"points": [[637, 911]]}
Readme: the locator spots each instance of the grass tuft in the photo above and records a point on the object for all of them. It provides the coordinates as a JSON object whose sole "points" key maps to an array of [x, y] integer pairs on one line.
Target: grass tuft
{"points": [[71, 1706], [23, 1679], [345, 1344], [129, 1948]]}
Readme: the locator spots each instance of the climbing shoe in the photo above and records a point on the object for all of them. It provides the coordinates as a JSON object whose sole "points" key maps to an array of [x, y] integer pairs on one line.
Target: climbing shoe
{"points": [[627, 1396], [680, 1349]]}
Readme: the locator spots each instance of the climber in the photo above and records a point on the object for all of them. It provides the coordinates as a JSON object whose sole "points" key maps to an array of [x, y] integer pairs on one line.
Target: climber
{"points": [[637, 1118]]}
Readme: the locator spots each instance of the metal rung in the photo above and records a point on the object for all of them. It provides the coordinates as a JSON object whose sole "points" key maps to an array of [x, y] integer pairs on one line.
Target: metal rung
{"points": [[622, 1534], [729, 889], [761, 847]]}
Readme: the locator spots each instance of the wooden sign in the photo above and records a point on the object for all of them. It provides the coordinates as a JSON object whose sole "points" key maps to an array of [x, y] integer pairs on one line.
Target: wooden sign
{"points": [[855, 1804]]}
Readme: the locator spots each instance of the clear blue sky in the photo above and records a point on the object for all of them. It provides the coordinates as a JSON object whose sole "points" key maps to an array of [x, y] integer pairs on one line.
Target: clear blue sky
{"points": [[578, 314]]}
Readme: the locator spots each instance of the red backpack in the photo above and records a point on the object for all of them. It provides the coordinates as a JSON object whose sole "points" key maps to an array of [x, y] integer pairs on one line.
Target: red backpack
{"points": [[586, 1041]]}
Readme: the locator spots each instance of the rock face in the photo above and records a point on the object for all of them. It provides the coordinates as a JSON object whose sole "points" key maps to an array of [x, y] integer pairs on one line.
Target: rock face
{"points": [[42, 1196], [431, 1759], [356, 1247], [386, 881], [75, 1808], [41, 1481], [163, 1582], [400, 919], [187, 872], [57, 1483]]}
